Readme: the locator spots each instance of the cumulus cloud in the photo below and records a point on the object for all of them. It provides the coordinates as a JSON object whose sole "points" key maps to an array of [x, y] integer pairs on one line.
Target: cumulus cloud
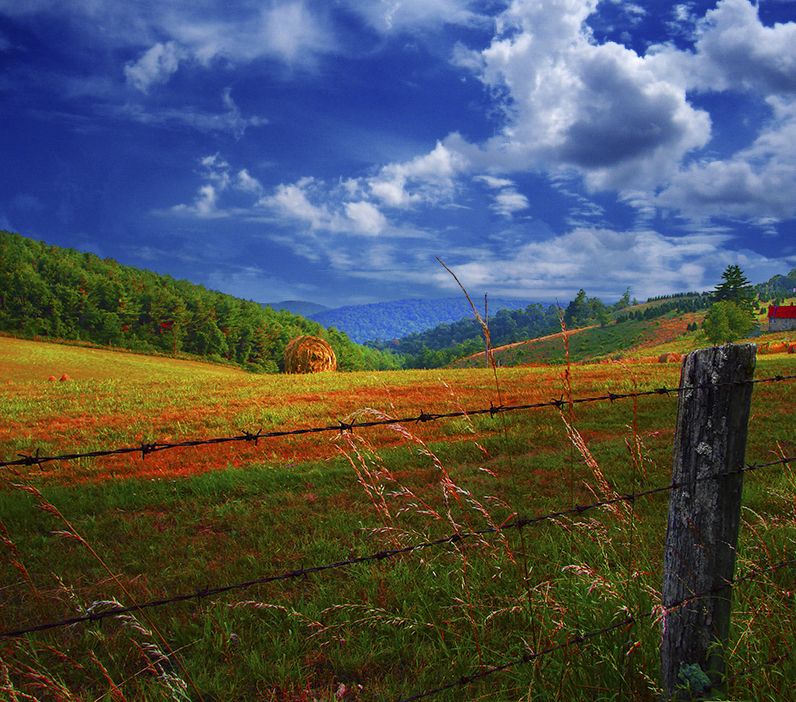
{"points": [[507, 200], [756, 182], [570, 102], [575, 110], [734, 51], [330, 212], [428, 179], [624, 122]]}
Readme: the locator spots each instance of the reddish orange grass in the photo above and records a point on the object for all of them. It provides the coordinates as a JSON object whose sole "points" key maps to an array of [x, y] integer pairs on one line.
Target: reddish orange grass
{"points": [[120, 400]]}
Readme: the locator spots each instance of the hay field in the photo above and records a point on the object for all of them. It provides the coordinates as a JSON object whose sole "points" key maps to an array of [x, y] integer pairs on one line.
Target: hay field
{"points": [[134, 529]]}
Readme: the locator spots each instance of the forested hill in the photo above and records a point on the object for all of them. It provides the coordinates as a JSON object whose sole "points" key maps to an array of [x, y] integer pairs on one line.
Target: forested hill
{"points": [[51, 292], [446, 343], [386, 321]]}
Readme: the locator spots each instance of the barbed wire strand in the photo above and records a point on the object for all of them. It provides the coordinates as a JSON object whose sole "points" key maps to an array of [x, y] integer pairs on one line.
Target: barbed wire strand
{"points": [[576, 640], [145, 449], [381, 555]]}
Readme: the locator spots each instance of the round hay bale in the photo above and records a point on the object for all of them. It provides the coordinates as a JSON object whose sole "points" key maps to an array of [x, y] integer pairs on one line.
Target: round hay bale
{"points": [[670, 357], [64, 378], [309, 354], [51, 379], [777, 347]]}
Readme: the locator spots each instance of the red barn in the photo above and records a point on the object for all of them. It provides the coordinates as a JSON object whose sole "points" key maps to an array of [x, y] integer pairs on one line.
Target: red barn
{"points": [[782, 317]]}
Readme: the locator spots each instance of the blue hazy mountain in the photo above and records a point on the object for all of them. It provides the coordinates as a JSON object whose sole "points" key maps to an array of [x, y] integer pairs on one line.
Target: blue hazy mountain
{"points": [[393, 320]]}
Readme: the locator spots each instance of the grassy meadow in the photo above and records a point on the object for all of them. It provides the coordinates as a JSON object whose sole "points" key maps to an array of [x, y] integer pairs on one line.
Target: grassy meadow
{"points": [[78, 536]]}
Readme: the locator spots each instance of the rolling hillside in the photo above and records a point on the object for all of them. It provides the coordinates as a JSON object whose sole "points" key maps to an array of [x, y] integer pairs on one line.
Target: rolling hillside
{"points": [[54, 293]]}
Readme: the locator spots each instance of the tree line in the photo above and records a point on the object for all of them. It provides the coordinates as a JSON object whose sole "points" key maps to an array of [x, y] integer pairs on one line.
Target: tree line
{"points": [[59, 293], [440, 346], [437, 347]]}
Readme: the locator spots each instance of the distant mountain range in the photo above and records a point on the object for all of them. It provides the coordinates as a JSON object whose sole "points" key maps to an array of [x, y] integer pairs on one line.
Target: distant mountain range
{"points": [[393, 320]]}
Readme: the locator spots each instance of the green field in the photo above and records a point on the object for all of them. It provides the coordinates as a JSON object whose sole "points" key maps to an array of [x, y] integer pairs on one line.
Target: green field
{"points": [[77, 535]]}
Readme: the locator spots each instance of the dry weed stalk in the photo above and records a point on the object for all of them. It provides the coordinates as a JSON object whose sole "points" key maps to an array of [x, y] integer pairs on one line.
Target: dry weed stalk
{"points": [[604, 492], [460, 504], [17, 562], [71, 533], [512, 474]]}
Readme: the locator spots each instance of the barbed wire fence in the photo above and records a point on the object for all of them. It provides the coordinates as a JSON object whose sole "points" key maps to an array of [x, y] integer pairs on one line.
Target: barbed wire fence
{"points": [[629, 619], [254, 437]]}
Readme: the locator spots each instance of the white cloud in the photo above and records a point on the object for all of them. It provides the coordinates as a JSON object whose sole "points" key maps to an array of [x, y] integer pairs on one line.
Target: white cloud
{"points": [[248, 184], [633, 9], [292, 32], [570, 102], [389, 15], [204, 204], [230, 122], [757, 182], [366, 217], [155, 66], [507, 201], [324, 210], [624, 122], [647, 261], [425, 179], [493, 182], [171, 32], [288, 30], [735, 51], [292, 202], [217, 174]]}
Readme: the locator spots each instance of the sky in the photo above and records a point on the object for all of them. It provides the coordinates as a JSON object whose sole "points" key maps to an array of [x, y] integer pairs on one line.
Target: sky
{"points": [[332, 151]]}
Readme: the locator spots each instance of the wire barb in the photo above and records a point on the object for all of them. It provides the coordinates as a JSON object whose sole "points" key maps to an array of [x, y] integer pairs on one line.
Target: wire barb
{"points": [[146, 449]]}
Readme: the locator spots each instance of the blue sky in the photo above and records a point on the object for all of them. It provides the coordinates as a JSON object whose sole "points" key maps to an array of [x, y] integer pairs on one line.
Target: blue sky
{"points": [[331, 151]]}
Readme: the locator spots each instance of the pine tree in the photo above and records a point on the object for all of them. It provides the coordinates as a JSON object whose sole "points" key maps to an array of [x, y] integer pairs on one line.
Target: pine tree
{"points": [[736, 289]]}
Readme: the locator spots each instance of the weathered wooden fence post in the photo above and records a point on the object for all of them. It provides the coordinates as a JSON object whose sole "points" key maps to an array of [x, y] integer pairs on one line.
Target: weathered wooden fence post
{"points": [[704, 515]]}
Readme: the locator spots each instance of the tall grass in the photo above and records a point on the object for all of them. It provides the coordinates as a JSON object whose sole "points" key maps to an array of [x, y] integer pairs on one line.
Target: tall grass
{"points": [[403, 625]]}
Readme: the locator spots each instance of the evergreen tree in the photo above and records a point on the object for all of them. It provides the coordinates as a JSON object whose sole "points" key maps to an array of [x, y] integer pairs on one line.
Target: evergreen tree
{"points": [[735, 288], [577, 311]]}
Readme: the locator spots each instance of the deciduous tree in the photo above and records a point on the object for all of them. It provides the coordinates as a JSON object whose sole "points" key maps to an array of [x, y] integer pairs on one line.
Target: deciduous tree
{"points": [[727, 322]]}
